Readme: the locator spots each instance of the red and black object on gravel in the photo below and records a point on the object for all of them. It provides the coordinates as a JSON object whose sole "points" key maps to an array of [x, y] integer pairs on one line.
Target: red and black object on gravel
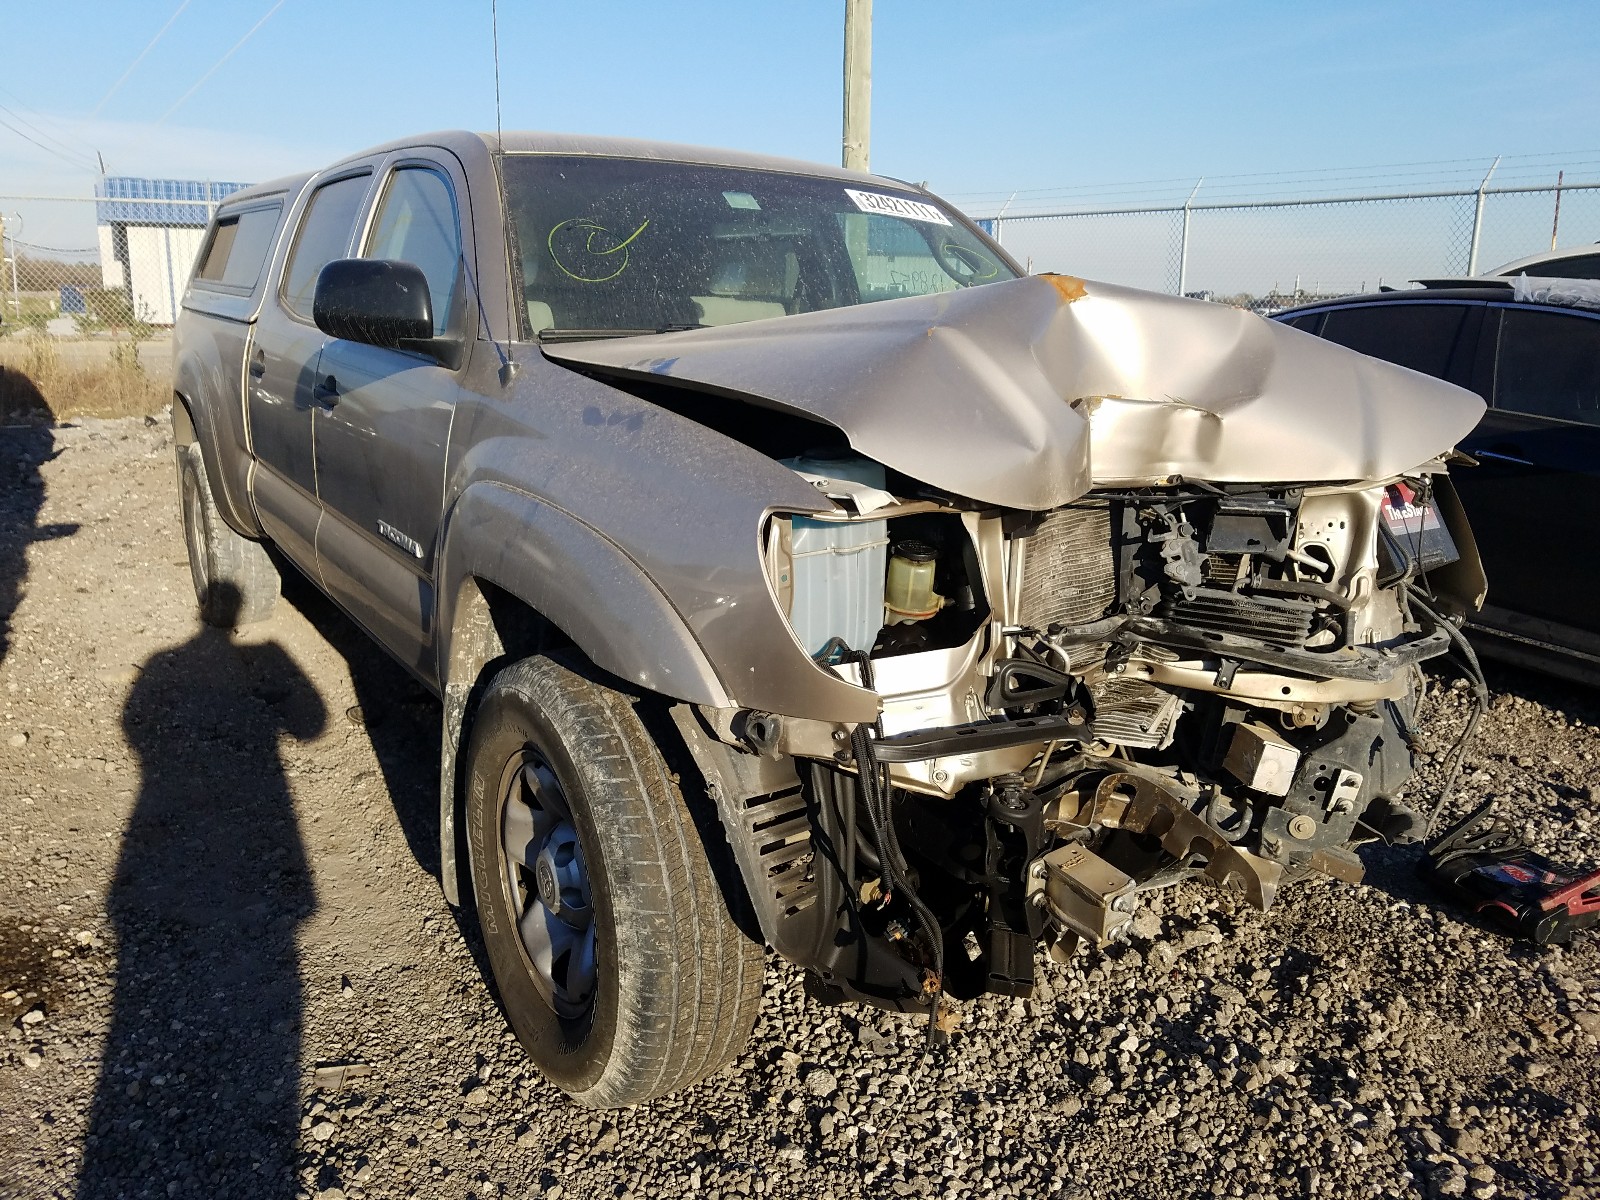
{"points": [[1483, 863]]}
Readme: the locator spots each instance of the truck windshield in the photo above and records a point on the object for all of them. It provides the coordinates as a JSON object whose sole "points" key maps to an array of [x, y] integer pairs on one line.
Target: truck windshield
{"points": [[613, 245]]}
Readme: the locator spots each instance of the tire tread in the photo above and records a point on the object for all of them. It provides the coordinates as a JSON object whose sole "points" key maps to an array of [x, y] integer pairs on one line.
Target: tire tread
{"points": [[704, 975], [242, 582]]}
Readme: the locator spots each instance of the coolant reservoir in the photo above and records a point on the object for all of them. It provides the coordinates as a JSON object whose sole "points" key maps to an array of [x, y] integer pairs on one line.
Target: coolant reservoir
{"points": [[838, 565], [908, 595]]}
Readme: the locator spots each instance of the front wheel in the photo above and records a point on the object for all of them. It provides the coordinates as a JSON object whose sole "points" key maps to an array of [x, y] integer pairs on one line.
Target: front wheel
{"points": [[619, 965]]}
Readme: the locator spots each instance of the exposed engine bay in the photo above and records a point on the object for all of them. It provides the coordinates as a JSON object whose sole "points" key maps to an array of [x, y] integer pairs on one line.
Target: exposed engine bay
{"points": [[1103, 591], [1078, 706]]}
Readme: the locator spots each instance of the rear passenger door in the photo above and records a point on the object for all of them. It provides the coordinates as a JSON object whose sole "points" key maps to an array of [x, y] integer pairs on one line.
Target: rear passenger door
{"points": [[382, 430], [227, 283], [281, 370], [1534, 500]]}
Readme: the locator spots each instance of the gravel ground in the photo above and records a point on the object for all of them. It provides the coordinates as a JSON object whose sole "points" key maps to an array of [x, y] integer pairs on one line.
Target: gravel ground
{"points": [[226, 967]]}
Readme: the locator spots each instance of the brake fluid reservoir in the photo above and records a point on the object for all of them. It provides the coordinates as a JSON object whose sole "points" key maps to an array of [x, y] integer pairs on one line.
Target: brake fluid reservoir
{"points": [[838, 565], [908, 594]]}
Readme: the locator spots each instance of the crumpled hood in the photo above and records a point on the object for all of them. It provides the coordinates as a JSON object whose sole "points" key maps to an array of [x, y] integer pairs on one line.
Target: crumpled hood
{"points": [[1029, 392]]}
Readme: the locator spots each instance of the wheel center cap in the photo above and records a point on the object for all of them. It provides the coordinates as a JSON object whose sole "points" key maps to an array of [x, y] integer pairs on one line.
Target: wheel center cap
{"points": [[544, 878]]}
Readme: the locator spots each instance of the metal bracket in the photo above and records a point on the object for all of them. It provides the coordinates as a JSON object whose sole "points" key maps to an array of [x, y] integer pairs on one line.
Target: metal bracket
{"points": [[1141, 805], [919, 745], [1083, 892]]}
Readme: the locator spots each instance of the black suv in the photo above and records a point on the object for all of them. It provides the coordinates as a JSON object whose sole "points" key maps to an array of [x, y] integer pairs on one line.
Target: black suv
{"points": [[1534, 497]]}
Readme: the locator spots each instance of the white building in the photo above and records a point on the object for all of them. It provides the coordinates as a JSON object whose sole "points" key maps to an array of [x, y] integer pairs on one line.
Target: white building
{"points": [[150, 233]]}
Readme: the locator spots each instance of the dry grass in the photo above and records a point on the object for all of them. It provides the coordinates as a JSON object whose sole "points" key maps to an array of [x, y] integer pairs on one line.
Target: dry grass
{"points": [[35, 385]]}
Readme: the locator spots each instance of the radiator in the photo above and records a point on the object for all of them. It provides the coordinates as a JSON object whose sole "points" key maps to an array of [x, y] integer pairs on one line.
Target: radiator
{"points": [[1069, 574]]}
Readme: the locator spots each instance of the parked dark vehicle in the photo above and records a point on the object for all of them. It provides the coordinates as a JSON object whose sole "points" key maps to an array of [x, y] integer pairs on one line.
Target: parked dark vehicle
{"points": [[796, 572], [1537, 364], [1574, 262]]}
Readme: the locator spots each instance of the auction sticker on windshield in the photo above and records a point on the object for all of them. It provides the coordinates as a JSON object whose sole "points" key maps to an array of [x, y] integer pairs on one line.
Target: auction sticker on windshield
{"points": [[896, 206]]}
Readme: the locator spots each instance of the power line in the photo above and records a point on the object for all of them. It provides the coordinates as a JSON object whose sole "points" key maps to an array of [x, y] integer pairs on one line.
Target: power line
{"points": [[52, 249], [216, 66], [21, 120], [31, 117], [151, 45], [1347, 190], [1311, 173], [1464, 181], [47, 149]]}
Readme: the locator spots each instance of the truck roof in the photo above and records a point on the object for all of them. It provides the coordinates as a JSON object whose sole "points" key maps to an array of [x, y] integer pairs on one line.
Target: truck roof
{"points": [[290, 184], [468, 145], [541, 142]]}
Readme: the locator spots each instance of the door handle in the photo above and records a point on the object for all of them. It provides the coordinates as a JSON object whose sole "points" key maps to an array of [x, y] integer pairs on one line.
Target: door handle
{"points": [[326, 391], [1503, 453], [258, 364]]}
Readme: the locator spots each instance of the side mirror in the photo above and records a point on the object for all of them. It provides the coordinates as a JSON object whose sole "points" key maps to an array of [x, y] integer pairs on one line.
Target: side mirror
{"points": [[373, 300]]}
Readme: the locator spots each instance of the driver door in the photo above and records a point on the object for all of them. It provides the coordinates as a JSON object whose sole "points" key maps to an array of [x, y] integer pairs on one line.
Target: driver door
{"points": [[383, 427]]}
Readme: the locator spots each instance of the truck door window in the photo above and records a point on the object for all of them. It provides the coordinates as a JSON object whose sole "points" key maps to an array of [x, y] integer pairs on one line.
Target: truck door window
{"points": [[416, 223], [1549, 365], [238, 248], [324, 235], [1419, 336]]}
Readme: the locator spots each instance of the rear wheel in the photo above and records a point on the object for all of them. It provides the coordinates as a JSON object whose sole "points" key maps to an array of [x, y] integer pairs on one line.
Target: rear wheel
{"points": [[619, 965], [235, 581]]}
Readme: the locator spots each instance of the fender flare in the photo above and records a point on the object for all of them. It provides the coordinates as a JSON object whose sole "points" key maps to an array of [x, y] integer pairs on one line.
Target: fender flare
{"points": [[576, 581]]}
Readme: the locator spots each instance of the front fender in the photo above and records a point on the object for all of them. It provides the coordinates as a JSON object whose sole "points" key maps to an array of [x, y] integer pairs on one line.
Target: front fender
{"points": [[577, 580], [680, 502]]}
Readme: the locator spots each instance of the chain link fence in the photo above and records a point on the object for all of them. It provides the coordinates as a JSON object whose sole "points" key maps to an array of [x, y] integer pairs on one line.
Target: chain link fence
{"points": [[1268, 254], [90, 286], [89, 289]]}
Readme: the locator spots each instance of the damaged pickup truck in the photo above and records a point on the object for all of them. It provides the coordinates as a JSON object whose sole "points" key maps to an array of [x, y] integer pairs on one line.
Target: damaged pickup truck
{"points": [[794, 571]]}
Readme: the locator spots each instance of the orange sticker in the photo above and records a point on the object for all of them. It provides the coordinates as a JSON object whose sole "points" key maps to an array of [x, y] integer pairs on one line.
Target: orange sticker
{"points": [[1070, 286]]}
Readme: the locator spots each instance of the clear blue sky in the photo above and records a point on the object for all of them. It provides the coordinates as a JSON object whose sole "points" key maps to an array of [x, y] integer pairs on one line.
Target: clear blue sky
{"points": [[972, 97], [1121, 102]]}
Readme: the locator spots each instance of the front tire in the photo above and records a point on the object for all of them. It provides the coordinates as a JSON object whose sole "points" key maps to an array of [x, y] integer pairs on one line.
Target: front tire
{"points": [[235, 581], [619, 965]]}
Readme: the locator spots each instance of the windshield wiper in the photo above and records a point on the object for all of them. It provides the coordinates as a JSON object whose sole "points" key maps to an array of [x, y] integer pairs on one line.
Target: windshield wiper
{"points": [[584, 335]]}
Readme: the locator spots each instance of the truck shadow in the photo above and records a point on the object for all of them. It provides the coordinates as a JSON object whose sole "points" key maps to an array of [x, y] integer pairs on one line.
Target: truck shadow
{"points": [[399, 715], [402, 720], [198, 1090]]}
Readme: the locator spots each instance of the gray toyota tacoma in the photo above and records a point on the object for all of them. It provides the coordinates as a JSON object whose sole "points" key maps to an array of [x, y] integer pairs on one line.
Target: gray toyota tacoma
{"points": [[794, 571]]}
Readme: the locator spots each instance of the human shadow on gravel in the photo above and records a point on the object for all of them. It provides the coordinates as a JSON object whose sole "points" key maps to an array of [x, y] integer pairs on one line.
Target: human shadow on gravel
{"points": [[198, 1088], [23, 450]]}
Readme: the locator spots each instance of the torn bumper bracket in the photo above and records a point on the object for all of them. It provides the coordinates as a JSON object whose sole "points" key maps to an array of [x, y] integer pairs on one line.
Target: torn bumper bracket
{"points": [[1093, 899], [1140, 805]]}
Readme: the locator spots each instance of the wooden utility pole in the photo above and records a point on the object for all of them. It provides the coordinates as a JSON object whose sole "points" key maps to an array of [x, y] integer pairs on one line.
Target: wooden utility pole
{"points": [[857, 84]]}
